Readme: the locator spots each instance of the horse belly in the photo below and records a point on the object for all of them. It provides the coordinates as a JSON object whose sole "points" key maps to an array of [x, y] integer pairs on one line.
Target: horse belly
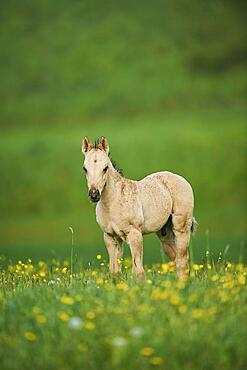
{"points": [[157, 207]]}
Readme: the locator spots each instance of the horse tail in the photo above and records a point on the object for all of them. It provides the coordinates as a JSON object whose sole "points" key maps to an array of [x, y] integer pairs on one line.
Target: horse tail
{"points": [[194, 225]]}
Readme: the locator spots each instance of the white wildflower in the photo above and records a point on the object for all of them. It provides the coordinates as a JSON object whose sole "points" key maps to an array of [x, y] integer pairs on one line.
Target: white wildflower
{"points": [[75, 323], [119, 341], [136, 331]]}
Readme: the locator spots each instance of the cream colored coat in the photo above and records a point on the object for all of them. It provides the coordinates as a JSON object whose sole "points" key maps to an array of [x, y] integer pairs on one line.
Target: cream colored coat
{"points": [[160, 203]]}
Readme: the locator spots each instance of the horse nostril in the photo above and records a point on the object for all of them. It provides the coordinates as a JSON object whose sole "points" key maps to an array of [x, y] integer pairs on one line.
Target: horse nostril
{"points": [[94, 194]]}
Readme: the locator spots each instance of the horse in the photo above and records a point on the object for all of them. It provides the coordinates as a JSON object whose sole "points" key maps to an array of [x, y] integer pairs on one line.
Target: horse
{"points": [[160, 203]]}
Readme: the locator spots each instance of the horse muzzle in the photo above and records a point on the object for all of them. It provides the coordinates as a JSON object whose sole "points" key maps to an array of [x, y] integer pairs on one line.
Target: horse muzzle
{"points": [[94, 195]]}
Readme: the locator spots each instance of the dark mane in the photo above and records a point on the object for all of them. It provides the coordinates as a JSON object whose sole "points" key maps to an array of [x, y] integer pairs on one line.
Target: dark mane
{"points": [[117, 168], [96, 144]]}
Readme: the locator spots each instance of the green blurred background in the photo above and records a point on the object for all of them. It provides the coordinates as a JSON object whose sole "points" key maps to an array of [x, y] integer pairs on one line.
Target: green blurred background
{"points": [[164, 81]]}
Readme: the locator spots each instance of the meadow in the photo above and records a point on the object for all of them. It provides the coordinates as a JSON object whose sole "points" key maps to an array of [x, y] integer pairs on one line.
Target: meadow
{"points": [[55, 318], [45, 190], [165, 82]]}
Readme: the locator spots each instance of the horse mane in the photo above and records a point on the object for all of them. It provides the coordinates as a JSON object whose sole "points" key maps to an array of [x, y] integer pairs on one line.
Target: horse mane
{"points": [[115, 165], [97, 145]]}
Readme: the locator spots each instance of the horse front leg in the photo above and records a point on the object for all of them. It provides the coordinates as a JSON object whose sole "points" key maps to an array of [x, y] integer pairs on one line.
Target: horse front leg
{"points": [[114, 248], [135, 241]]}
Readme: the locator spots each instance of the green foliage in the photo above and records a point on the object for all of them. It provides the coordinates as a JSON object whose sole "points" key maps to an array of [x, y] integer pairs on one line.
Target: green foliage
{"points": [[45, 189], [71, 59], [52, 320], [165, 82]]}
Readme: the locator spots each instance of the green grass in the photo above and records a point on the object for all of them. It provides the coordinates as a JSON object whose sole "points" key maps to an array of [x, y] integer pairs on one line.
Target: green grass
{"points": [[166, 83], [50, 319], [63, 60], [45, 190]]}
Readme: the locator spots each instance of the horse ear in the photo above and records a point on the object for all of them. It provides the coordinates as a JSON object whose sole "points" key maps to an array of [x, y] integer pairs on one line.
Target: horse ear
{"points": [[86, 146], [104, 144]]}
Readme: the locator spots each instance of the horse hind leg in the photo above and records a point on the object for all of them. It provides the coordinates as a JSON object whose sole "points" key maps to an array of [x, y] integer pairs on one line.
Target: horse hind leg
{"points": [[182, 225], [166, 236]]}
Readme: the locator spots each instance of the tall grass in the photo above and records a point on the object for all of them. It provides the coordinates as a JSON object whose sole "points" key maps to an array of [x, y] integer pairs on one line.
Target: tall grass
{"points": [[92, 321]]}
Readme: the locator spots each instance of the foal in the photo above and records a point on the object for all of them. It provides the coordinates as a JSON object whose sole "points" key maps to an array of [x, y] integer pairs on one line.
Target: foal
{"points": [[161, 203]]}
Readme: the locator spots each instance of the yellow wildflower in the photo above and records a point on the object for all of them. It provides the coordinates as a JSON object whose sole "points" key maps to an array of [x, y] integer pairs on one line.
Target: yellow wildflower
{"points": [[66, 299], [155, 294], [122, 286], [192, 297], [98, 256], [41, 319], [89, 325], [42, 273], [167, 284], [241, 279], [224, 297], [63, 316], [174, 298], [36, 310], [147, 351], [165, 267], [212, 310], [90, 315], [197, 313], [182, 308], [99, 281], [64, 270], [239, 267], [11, 268], [127, 262], [164, 295], [181, 284], [228, 284], [215, 277], [29, 335], [18, 268], [196, 267], [94, 273], [149, 282], [156, 360]]}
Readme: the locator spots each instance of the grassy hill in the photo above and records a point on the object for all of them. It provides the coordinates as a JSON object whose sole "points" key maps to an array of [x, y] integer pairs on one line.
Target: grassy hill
{"points": [[71, 59], [165, 82]]}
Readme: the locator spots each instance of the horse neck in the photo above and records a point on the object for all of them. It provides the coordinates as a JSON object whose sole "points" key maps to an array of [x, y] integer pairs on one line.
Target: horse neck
{"points": [[110, 188]]}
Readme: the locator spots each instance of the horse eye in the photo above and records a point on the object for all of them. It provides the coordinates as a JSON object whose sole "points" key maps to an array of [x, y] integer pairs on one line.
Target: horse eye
{"points": [[105, 169], [84, 168]]}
